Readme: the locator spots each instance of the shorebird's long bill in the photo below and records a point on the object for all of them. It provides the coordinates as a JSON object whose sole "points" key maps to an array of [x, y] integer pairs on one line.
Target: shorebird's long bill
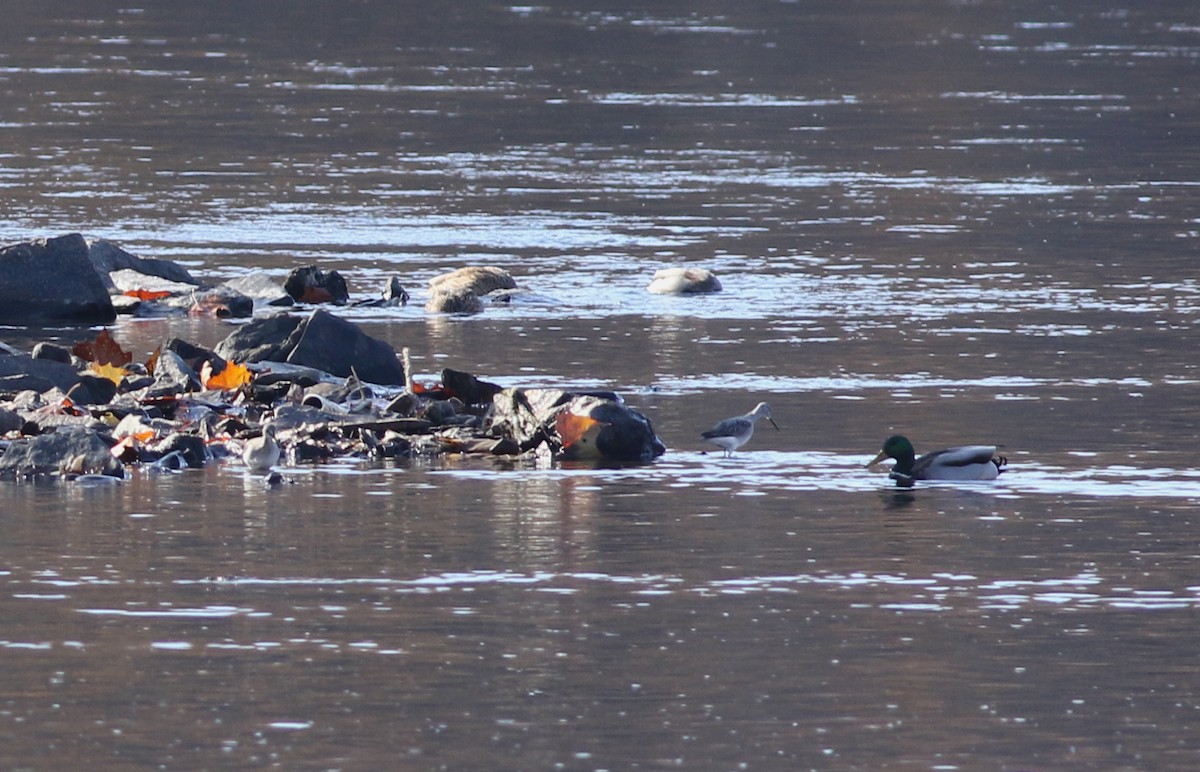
{"points": [[772, 420], [877, 459]]}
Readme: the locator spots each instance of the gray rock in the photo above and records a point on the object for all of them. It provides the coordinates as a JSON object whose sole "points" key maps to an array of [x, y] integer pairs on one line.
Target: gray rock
{"points": [[173, 374], [51, 352], [322, 341], [267, 373], [260, 339], [88, 390], [339, 347], [66, 451], [10, 420], [468, 388], [189, 446], [221, 302], [108, 257], [127, 305], [127, 280], [260, 288], [194, 356], [52, 280]]}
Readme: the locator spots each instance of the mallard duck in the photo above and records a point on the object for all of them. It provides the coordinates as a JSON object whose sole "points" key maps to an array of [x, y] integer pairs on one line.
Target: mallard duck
{"points": [[967, 462], [261, 453], [732, 433]]}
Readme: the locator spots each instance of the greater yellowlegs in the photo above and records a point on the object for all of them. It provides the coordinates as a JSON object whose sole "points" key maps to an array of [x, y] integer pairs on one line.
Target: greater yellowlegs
{"points": [[732, 433], [261, 453]]}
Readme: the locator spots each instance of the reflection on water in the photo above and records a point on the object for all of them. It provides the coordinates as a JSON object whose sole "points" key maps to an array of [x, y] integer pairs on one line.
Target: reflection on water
{"points": [[973, 223]]}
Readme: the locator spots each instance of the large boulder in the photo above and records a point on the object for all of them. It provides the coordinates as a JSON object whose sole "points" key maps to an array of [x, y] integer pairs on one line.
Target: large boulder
{"points": [[108, 258], [66, 451], [260, 288], [20, 372], [574, 426], [322, 341], [52, 280], [262, 339]]}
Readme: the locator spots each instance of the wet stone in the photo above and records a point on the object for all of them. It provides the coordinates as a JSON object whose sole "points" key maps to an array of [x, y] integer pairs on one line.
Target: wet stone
{"points": [[76, 451], [52, 280]]}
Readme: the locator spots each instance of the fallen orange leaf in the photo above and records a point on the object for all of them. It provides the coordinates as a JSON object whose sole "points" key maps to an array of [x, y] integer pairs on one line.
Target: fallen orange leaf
{"points": [[578, 435], [234, 376], [142, 294]]}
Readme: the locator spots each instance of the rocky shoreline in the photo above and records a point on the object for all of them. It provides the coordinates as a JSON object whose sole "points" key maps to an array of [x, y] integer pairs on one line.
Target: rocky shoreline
{"points": [[326, 388]]}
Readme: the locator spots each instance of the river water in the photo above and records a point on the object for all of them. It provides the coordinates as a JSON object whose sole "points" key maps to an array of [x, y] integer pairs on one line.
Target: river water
{"points": [[969, 222]]}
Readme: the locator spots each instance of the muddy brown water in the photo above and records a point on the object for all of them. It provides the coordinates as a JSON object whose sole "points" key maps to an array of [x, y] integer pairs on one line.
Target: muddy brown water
{"points": [[967, 222]]}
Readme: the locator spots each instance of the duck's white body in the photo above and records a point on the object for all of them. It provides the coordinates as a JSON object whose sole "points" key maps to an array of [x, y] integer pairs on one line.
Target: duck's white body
{"points": [[968, 462], [732, 433]]}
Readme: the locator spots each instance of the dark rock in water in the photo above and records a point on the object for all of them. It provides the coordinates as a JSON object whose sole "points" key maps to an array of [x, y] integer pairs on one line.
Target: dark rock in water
{"points": [[51, 352], [611, 430], [14, 384], [52, 280], [10, 421], [195, 356], [404, 404], [190, 446], [310, 284], [439, 412], [126, 305], [625, 434], [468, 388], [340, 392], [274, 372], [65, 451], [108, 257], [219, 302], [173, 374], [337, 346], [93, 390], [323, 341], [260, 339], [260, 287], [84, 389]]}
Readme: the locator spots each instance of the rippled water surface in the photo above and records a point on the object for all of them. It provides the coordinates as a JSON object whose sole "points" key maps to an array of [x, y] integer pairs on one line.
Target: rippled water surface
{"points": [[967, 222]]}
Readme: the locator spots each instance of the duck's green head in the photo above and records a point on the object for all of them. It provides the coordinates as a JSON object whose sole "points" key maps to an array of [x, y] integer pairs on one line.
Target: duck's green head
{"points": [[899, 448]]}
